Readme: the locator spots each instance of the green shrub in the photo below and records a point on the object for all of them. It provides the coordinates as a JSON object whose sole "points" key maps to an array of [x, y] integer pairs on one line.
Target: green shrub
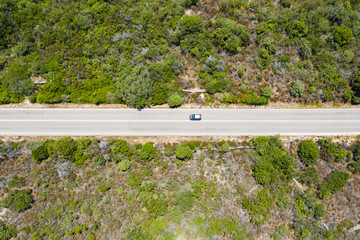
{"points": [[175, 100], [354, 167], [281, 232], [259, 207], [252, 99], [224, 147], [193, 145], [147, 152], [16, 182], [308, 152], [98, 160], [342, 35], [348, 56], [330, 151], [183, 151], [7, 231], [304, 49], [271, 161], [319, 211], [266, 92], [40, 153], [18, 200], [184, 200], [133, 180], [333, 183], [137, 232], [297, 89], [309, 177], [355, 148], [157, 206], [124, 165], [268, 44], [66, 147], [190, 25], [264, 59], [120, 146], [17, 81]]}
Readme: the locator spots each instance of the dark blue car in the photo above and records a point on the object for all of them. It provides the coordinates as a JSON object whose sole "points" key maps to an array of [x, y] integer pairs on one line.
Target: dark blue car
{"points": [[195, 116]]}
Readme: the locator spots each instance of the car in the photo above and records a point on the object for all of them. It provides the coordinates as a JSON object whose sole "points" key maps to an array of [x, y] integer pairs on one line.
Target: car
{"points": [[195, 116]]}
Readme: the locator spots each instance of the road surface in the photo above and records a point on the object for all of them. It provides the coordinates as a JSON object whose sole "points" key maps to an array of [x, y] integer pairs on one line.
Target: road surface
{"points": [[160, 122]]}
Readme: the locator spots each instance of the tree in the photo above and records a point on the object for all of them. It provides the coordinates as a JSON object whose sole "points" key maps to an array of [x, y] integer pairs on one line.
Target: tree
{"points": [[136, 88], [175, 100], [183, 151], [308, 152], [66, 147], [6, 231], [18, 200], [147, 152], [297, 89]]}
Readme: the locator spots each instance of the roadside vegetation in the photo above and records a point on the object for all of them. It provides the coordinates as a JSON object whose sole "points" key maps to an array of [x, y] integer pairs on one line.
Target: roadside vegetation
{"points": [[145, 53], [259, 188]]}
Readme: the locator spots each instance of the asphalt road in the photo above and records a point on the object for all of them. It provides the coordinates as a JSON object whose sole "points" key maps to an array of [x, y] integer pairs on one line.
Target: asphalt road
{"points": [[160, 122]]}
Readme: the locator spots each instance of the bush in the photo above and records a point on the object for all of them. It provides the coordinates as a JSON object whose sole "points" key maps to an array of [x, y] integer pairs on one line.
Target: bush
{"points": [[99, 160], [266, 92], [304, 49], [264, 59], [18, 200], [354, 167], [17, 81], [175, 100], [308, 152], [137, 232], [297, 89], [6, 231], [224, 147], [40, 153], [156, 206], [124, 165], [333, 183], [66, 147], [330, 151], [133, 180], [120, 146], [183, 151], [253, 99], [356, 151], [16, 182], [342, 35], [348, 56], [190, 25], [259, 207], [309, 177], [147, 152]]}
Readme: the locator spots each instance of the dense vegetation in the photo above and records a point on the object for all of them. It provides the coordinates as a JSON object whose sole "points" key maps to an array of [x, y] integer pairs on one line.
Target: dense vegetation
{"points": [[240, 189], [142, 53]]}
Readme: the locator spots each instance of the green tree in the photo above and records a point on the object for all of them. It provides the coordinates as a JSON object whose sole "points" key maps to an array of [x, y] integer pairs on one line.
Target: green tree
{"points": [[175, 100], [66, 147], [6, 231], [18, 200], [135, 88], [183, 151], [297, 89], [224, 147], [308, 152], [147, 152]]}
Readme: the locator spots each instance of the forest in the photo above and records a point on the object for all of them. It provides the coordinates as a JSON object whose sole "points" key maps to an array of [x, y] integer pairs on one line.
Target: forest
{"points": [[146, 53], [266, 187]]}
